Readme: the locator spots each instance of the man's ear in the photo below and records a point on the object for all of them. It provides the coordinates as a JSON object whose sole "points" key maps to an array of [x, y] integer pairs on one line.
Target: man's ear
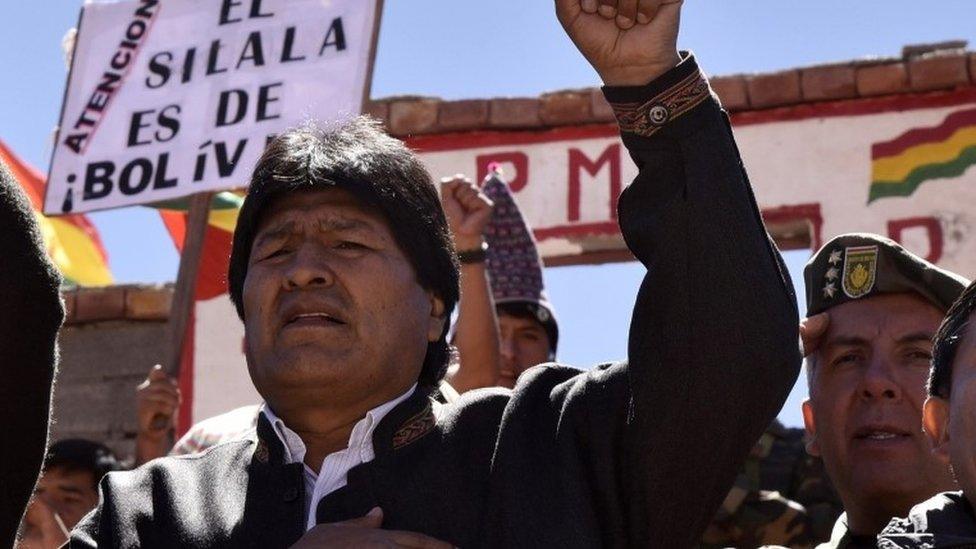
{"points": [[813, 447], [435, 325], [935, 420]]}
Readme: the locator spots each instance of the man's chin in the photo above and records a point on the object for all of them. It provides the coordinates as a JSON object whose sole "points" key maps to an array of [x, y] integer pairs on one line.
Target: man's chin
{"points": [[309, 365], [891, 481]]}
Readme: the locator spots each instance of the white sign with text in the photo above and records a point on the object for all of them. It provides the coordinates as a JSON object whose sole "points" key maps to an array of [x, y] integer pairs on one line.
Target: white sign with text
{"points": [[167, 99]]}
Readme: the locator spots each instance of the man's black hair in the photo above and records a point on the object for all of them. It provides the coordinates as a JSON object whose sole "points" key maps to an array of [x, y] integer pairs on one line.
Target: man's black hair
{"points": [[77, 454], [951, 332], [381, 172]]}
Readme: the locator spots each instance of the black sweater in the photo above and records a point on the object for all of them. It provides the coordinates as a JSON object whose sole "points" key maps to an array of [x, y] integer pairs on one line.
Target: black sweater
{"points": [[629, 454], [30, 317]]}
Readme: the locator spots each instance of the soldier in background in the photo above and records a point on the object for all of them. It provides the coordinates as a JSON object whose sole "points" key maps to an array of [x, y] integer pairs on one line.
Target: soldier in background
{"points": [[874, 309], [782, 497]]}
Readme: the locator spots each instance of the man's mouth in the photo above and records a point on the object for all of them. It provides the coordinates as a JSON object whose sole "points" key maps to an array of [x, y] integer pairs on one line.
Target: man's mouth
{"points": [[881, 433], [314, 319]]}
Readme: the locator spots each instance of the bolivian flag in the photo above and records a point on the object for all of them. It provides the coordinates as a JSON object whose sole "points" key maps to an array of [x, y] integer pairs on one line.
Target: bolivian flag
{"points": [[72, 241], [899, 166], [215, 257]]}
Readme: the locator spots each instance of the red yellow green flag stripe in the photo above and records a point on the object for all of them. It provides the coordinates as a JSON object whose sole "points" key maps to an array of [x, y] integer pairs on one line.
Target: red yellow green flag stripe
{"points": [[215, 257], [943, 151], [72, 240]]}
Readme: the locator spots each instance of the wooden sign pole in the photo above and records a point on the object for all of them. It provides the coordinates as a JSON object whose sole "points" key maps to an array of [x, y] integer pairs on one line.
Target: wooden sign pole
{"points": [[186, 279]]}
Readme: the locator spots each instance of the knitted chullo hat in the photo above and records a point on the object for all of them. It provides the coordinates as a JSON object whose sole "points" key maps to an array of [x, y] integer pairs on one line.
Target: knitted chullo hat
{"points": [[513, 261]]}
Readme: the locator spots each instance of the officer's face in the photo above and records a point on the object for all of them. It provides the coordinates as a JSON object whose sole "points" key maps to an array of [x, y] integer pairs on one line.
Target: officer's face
{"points": [[952, 424], [333, 309], [865, 407], [524, 344]]}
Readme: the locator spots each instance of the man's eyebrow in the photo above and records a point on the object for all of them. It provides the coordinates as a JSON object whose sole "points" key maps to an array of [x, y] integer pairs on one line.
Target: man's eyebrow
{"points": [[846, 341], [343, 224], [916, 337], [275, 232], [69, 489]]}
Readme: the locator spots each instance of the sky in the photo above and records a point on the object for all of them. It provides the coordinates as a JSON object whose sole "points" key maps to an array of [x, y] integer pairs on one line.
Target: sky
{"points": [[458, 49]]}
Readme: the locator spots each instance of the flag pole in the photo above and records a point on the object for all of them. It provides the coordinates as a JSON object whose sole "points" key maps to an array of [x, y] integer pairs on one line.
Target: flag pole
{"points": [[186, 278]]}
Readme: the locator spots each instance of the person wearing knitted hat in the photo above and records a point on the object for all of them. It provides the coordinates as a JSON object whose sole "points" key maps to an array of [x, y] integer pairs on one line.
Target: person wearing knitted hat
{"points": [[874, 308], [498, 252]]}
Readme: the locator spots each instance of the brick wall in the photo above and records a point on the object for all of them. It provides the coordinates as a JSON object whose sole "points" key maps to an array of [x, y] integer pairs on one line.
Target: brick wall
{"points": [[922, 68], [111, 338]]}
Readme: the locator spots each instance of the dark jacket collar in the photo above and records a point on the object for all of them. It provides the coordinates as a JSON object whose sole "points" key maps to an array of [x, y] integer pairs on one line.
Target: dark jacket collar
{"points": [[406, 423]]}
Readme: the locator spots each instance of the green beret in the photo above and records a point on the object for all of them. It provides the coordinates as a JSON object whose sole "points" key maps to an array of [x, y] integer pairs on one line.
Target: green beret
{"points": [[858, 265]]}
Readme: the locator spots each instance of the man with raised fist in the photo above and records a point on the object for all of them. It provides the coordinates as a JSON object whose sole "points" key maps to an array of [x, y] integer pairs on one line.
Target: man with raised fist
{"points": [[344, 274]]}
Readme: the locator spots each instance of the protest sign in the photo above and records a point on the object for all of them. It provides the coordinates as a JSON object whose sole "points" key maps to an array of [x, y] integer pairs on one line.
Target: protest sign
{"points": [[167, 99]]}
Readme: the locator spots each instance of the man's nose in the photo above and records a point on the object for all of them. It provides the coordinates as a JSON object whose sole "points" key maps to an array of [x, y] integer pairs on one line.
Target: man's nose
{"points": [[507, 350], [879, 381], [309, 267]]}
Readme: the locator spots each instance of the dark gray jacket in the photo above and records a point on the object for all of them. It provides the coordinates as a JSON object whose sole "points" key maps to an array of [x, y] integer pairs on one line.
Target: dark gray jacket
{"points": [[945, 520], [624, 455]]}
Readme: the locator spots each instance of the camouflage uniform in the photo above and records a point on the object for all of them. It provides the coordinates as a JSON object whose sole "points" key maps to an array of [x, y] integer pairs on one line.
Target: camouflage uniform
{"points": [[946, 520], [781, 497]]}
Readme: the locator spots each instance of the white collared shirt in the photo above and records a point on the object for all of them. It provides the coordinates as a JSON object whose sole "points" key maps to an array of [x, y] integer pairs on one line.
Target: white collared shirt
{"points": [[335, 466]]}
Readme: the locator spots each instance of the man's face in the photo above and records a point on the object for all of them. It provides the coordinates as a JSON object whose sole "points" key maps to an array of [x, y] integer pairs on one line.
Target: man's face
{"points": [[524, 344], [70, 494], [952, 424], [865, 407], [332, 306]]}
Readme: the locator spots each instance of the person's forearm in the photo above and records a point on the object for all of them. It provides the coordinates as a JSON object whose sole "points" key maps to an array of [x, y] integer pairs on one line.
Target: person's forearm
{"points": [[712, 350], [476, 335], [149, 448]]}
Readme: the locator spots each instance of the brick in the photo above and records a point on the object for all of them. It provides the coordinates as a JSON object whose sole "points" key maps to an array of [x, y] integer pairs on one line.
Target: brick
{"points": [[972, 68], [882, 79], [599, 108], [100, 304], [731, 91], [379, 110], [69, 305], [828, 83], [936, 72], [564, 108], [774, 89], [411, 116], [469, 114], [514, 112], [148, 303]]}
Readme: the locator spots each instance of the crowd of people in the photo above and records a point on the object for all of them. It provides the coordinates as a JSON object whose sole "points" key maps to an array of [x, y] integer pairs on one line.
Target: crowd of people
{"points": [[385, 424]]}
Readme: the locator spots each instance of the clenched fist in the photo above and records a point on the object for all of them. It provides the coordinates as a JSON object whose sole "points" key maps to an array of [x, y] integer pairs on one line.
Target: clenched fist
{"points": [[628, 42], [467, 209], [157, 399]]}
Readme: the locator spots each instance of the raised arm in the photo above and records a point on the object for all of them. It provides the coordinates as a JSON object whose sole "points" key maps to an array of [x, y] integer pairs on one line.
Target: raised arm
{"points": [[476, 334], [713, 342]]}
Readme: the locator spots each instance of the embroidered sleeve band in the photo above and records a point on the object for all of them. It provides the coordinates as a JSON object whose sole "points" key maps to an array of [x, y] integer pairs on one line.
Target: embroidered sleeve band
{"points": [[645, 118]]}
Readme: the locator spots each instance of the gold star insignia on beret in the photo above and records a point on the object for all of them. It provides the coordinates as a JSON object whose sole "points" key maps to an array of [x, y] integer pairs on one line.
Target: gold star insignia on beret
{"points": [[832, 273], [835, 257], [829, 290]]}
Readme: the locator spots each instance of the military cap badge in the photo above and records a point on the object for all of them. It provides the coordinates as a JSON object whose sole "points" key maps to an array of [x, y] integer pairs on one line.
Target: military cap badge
{"points": [[860, 270]]}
